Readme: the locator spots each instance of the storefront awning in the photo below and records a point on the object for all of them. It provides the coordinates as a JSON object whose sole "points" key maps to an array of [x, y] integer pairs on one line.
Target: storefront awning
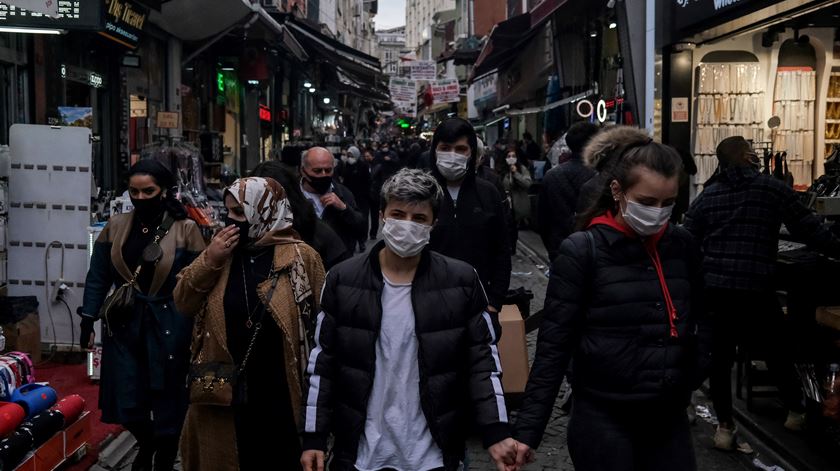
{"points": [[507, 37], [335, 52], [375, 92], [192, 20]]}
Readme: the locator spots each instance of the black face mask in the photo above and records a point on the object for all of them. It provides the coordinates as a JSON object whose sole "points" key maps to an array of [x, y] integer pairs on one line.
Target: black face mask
{"points": [[148, 209], [321, 185], [243, 230]]}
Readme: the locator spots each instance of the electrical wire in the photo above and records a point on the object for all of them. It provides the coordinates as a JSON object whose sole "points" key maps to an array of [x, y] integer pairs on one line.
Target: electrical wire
{"points": [[48, 301]]}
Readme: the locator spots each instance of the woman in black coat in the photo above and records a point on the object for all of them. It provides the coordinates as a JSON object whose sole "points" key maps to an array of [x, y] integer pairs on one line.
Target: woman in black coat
{"points": [[624, 303], [145, 357]]}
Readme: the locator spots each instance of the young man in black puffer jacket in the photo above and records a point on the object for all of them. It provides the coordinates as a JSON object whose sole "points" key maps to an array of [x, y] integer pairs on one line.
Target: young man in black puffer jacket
{"points": [[405, 357]]}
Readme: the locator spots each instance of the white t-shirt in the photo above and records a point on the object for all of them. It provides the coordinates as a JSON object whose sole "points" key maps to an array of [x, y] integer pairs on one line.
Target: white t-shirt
{"points": [[315, 198], [396, 431]]}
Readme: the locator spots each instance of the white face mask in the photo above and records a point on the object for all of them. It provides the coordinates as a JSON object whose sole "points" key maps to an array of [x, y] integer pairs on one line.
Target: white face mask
{"points": [[351, 160], [406, 238], [452, 165], [511, 160], [646, 220]]}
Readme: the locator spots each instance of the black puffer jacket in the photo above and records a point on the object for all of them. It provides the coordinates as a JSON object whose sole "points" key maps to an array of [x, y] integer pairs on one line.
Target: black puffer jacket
{"points": [[459, 380], [609, 313], [558, 202]]}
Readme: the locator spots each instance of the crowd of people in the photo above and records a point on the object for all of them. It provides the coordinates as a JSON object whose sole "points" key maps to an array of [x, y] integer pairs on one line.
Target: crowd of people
{"points": [[298, 351]]}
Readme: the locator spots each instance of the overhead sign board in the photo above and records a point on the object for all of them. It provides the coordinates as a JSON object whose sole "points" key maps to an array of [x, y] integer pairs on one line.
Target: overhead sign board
{"points": [[446, 91], [47, 7], [168, 120], [404, 96], [423, 70], [124, 22], [71, 15], [688, 13]]}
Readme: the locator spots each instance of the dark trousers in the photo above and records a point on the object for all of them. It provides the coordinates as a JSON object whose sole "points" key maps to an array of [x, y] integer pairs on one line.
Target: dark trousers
{"points": [[753, 320], [160, 450], [626, 437]]}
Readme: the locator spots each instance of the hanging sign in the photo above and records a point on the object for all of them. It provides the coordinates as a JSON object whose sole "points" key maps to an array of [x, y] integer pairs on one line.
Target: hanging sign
{"points": [[124, 22], [446, 91], [265, 113], [423, 70], [47, 7], [70, 15], [404, 96], [679, 110], [691, 12], [79, 75], [168, 120]]}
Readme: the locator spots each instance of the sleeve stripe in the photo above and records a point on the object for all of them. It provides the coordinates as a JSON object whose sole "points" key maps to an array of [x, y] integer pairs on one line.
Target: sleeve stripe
{"points": [[495, 376], [314, 380]]}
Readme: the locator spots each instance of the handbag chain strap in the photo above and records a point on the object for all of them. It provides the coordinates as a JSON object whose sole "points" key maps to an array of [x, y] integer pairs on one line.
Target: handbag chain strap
{"points": [[275, 276]]}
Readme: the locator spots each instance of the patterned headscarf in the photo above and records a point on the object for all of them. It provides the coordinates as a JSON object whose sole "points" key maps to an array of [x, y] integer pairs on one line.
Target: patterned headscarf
{"points": [[266, 210]]}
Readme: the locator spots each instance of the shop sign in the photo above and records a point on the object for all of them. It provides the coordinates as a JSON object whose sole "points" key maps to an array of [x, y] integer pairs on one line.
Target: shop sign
{"points": [[486, 88], [404, 96], [47, 7], [71, 15], [79, 75], [691, 12], [168, 120], [446, 91], [585, 109], [679, 110], [423, 70], [265, 113], [124, 22]]}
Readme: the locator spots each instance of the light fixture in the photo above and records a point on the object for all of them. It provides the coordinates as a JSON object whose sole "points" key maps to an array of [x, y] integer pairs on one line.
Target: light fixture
{"points": [[326, 100], [593, 34], [311, 90], [307, 84], [228, 69], [613, 25], [253, 82], [5, 29]]}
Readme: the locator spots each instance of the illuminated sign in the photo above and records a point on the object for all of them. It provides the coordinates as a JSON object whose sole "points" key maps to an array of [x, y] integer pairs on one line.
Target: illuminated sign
{"points": [[72, 15], [124, 22], [77, 74], [265, 113]]}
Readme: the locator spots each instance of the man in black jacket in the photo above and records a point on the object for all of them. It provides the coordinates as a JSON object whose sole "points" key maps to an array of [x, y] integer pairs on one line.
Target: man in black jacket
{"points": [[561, 186], [405, 356], [334, 203], [471, 225]]}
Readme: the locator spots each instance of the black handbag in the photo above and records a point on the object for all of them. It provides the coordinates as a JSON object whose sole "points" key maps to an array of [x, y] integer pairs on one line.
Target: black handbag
{"points": [[223, 384], [119, 306]]}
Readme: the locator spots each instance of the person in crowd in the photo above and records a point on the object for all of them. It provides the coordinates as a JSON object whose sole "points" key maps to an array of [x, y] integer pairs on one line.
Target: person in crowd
{"points": [[372, 227], [484, 170], [333, 202], [557, 205], [516, 179], [530, 149], [737, 220], [684, 200], [355, 175], [600, 154], [253, 293], [145, 355], [386, 165], [624, 302], [315, 232], [412, 159], [381, 377], [472, 215]]}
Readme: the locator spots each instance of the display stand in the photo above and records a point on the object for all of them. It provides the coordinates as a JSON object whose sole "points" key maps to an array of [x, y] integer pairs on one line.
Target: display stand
{"points": [[794, 98], [832, 116], [69, 444]]}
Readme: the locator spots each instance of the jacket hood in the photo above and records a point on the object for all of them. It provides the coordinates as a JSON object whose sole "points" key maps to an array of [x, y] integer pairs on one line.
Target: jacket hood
{"points": [[737, 176], [611, 143]]}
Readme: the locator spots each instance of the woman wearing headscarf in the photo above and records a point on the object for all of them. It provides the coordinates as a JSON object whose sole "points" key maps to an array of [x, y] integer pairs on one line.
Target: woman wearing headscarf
{"points": [[252, 292], [145, 354]]}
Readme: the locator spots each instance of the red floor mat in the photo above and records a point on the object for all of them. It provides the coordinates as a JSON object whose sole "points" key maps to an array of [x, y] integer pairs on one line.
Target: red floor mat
{"points": [[72, 379]]}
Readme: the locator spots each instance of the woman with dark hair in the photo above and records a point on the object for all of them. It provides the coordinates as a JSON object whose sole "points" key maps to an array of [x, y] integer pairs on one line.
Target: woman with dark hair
{"points": [[316, 233], [624, 302], [516, 179], [145, 354]]}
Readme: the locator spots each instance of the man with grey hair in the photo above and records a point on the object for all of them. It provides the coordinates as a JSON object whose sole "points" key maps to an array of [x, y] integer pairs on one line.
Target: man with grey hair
{"points": [[334, 203], [406, 353]]}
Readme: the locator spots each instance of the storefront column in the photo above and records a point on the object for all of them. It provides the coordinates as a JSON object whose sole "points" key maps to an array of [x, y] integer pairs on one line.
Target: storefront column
{"points": [[173, 85], [678, 73], [251, 125]]}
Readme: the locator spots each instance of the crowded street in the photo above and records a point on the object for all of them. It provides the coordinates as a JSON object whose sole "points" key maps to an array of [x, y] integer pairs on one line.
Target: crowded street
{"points": [[419, 235]]}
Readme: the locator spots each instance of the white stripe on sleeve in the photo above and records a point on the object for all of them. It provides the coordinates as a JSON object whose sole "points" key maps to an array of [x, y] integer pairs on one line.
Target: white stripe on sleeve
{"points": [[495, 376], [314, 380]]}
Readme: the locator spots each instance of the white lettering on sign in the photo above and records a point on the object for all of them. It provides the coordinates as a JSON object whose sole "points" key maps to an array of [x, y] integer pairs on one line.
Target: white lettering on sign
{"points": [[724, 3]]}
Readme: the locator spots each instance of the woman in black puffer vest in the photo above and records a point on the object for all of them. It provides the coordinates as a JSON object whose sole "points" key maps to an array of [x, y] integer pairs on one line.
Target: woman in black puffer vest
{"points": [[623, 302]]}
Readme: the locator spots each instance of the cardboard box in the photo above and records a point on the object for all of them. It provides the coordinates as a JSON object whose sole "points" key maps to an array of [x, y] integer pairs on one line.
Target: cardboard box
{"points": [[513, 350], [25, 336]]}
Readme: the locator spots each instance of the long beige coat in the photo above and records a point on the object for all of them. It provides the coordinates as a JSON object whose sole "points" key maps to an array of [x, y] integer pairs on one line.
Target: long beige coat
{"points": [[208, 440]]}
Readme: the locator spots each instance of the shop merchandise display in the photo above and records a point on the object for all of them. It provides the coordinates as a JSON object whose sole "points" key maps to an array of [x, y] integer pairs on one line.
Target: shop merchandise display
{"points": [[729, 102], [11, 416], [16, 370], [35, 398], [832, 115], [185, 161], [794, 101]]}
